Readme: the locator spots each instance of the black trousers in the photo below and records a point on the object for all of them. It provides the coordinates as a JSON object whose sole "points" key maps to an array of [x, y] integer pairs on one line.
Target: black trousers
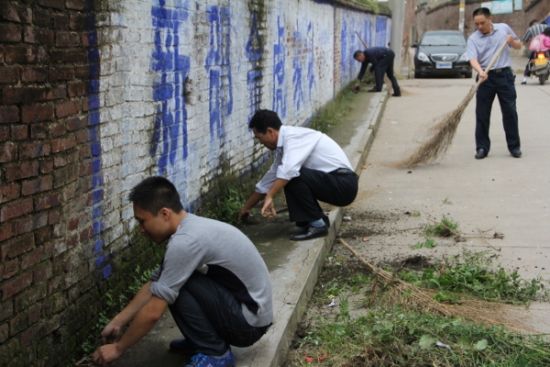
{"points": [[385, 65], [210, 318], [499, 84], [303, 192]]}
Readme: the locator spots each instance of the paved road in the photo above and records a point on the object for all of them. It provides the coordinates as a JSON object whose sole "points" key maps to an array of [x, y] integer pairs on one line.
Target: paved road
{"points": [[498, 194]]}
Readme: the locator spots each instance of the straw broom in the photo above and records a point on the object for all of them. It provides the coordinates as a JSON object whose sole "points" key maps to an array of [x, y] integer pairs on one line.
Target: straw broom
{"points": [[473, 310], [444, 131]]}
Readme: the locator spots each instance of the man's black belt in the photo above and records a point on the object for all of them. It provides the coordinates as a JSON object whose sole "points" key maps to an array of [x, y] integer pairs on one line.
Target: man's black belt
{"points": [[343, 171], [500, 70]]}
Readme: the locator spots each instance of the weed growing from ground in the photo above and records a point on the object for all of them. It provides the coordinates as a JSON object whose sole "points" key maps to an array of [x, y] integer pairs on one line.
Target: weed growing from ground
{"points": [[389, 332], [428, 243], [474, 274], [444, 228]]}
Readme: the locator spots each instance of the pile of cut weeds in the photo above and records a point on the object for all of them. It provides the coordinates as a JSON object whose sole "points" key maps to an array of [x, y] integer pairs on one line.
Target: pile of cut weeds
{"points": [[352, 322]]}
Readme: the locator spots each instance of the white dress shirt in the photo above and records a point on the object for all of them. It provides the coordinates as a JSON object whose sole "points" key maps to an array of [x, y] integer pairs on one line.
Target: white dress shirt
{"points": [[299, 147]]}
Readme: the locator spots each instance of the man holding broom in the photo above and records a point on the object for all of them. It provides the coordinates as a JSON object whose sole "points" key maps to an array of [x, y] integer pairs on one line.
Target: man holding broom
{"points": [[482, 45]]}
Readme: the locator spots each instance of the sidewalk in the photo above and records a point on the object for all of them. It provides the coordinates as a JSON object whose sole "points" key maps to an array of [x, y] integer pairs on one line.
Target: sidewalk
{"points": [[294, 266]]}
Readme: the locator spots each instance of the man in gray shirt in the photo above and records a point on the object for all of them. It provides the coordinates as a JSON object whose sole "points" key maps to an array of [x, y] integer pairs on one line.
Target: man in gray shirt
{"points": [[481, 46], [212, 278]]}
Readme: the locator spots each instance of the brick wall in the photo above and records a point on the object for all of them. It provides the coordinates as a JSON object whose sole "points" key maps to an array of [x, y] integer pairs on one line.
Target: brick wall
{"points": [[445, 16], [97, 95]]}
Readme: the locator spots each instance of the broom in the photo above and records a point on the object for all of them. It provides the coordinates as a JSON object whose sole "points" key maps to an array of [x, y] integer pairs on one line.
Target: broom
{"points": [[473, 310], [444, 131]]}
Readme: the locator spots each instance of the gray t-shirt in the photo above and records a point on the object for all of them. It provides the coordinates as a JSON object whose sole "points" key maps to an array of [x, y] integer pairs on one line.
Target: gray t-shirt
{"points": [[223, 253]]}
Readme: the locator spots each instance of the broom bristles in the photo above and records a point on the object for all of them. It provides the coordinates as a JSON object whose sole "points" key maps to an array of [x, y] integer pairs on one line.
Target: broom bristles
{"points": [[442, 136], [473, 310]]}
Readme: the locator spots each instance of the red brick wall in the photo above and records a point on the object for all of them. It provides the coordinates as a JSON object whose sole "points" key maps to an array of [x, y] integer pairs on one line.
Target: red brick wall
{"points": [[446, 16], [44, 171]]}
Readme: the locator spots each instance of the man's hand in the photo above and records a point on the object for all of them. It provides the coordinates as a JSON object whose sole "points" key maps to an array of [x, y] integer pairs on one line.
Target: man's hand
{"points": [[111, 332], [244, 214], [268, 209], [483, 76], [106, 354]]}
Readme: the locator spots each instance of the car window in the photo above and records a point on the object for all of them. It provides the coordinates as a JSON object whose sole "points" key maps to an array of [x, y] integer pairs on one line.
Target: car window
{"points": [[431, 39]]}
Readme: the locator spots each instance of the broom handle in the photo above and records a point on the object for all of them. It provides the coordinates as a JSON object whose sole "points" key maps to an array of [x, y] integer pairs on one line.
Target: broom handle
{"points": [[360, 39]]}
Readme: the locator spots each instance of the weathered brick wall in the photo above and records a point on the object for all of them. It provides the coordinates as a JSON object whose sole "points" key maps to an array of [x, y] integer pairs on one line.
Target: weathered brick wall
{"points": [[445, 16], [97, 95]]}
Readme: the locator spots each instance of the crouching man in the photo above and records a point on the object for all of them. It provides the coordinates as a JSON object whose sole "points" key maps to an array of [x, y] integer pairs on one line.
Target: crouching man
{"points": [[212, 279]]}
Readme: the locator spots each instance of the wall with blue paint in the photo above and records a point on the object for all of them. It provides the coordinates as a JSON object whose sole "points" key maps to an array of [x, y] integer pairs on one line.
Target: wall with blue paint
{"points": [[181, 78]]}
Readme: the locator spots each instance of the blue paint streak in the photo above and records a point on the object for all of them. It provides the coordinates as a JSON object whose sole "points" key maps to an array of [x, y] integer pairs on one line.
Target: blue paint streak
{"points": [[218, 66], [298, 96], [101, 260], [254, 54], [344, 51], [381, 30], [172, 69], [310, 61], [279, 97]]}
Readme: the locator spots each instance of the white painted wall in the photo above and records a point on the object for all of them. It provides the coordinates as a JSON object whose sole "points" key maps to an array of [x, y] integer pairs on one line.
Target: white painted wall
{"points": [[168, 66]]}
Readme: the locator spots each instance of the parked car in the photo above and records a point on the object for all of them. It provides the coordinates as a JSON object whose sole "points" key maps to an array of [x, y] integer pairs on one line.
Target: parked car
{"points": [[441, 53]]}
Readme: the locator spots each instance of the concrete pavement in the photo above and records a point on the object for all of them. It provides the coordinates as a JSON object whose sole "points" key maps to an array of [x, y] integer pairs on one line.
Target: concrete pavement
{"points": [[499, 194]]}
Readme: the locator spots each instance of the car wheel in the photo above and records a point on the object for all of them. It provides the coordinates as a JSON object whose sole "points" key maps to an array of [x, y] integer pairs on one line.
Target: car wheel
{"points": [[468, 75], [417, 75]]}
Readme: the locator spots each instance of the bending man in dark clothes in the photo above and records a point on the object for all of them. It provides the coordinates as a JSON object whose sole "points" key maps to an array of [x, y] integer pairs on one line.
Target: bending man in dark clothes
{"points": [[381, 59]]}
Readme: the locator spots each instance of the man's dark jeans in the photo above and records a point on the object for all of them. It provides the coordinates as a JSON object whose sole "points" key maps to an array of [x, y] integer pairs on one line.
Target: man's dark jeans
{"points": [[500, 83]]}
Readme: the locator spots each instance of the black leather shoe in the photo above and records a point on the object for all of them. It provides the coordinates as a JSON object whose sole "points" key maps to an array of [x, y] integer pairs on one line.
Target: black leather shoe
{"points": [[312, 232], [481, 153], [516, 153]]}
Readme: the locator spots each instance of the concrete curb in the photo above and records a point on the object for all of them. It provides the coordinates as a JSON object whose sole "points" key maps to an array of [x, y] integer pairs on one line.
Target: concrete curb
{"points": [[294, 283]]}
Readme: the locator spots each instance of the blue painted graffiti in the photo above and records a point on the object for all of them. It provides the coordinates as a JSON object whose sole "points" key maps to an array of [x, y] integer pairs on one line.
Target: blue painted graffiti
{"points": [[297, 69], [367, 33], [101, 260], [254, 54], [218, 66], [310, 60], [279, 98], [381, 31], [344, 51], [170, 132]]}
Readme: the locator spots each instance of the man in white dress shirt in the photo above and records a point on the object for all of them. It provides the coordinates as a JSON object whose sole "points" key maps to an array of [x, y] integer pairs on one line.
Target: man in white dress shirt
{"points": [[309, 166]]}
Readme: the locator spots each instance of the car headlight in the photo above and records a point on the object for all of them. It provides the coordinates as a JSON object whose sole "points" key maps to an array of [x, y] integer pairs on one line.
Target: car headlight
{"points": [[463, 57], [423, 57]]}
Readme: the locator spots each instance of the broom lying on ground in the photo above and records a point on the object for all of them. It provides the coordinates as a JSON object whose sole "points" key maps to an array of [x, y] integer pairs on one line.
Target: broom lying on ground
{"points": [[444, 131], [474, 310]]}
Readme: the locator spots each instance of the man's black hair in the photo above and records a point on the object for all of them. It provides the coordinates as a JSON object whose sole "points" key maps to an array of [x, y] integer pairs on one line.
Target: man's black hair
{"points": [[357, 53], [482, 11], [264, 119], [155, 193]]}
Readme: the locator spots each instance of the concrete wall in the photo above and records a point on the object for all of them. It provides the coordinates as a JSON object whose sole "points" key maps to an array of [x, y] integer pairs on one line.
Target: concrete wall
{"points": [[97, 95]]}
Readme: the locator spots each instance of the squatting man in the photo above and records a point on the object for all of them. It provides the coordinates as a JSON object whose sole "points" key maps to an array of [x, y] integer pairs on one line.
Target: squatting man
{"points": [[309, 166], [212, 279]]}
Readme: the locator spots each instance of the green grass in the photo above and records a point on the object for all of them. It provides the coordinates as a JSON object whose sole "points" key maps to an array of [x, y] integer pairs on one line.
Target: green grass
{"points": [[393, 336], [428, 243], [475, 275], [390, 332], [444, 228]]}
